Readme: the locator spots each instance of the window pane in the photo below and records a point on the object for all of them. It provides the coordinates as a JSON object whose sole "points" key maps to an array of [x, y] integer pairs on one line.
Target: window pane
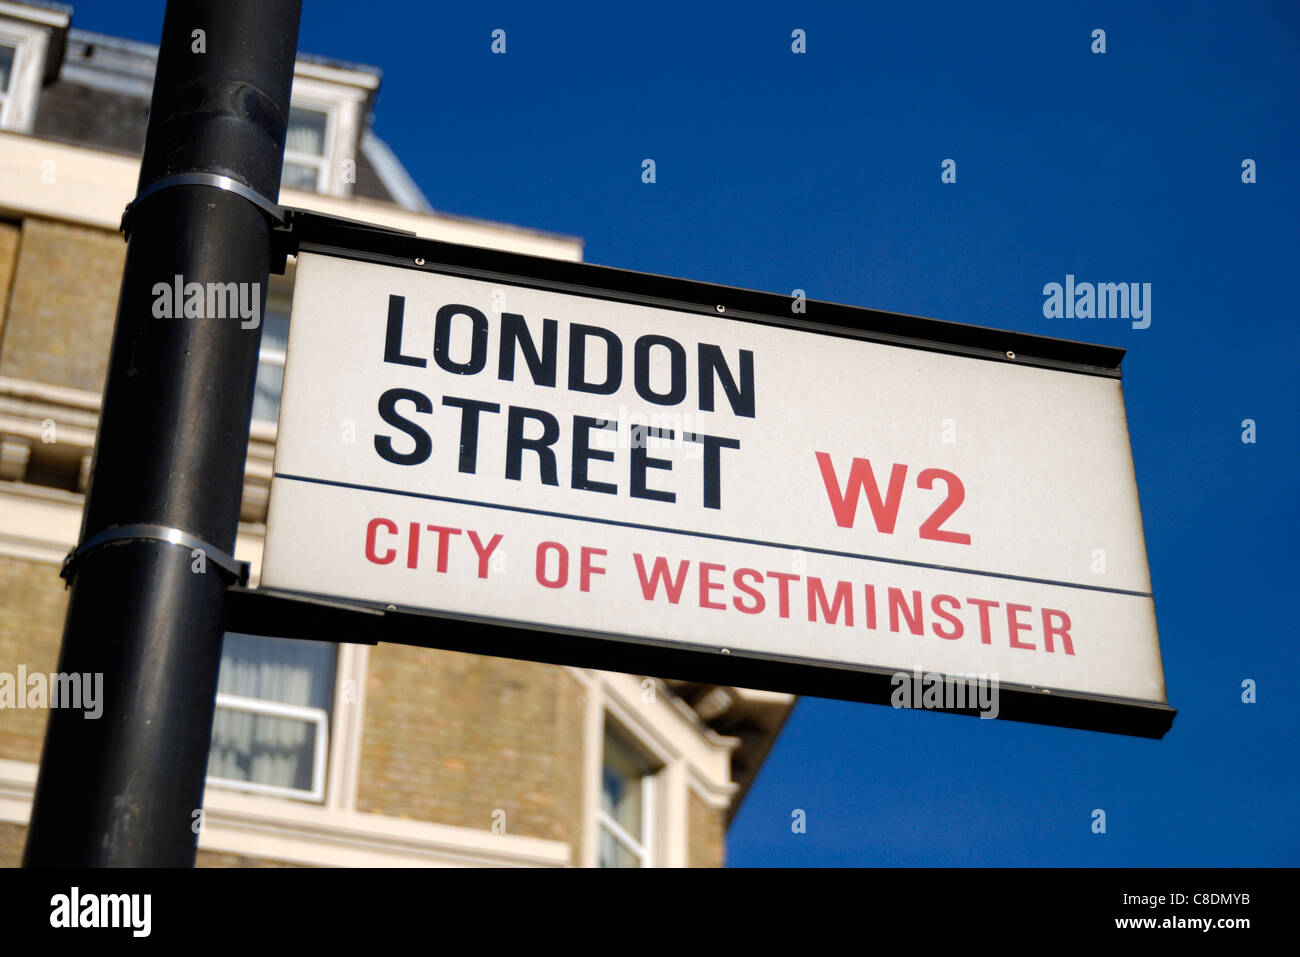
{"points": [[266, 394], [622, 775], [306, 133], [275, 326], [262, 749], [270, 749], [613, 853], [298, 176], [6, 66], [270, 372], [278, 669]]}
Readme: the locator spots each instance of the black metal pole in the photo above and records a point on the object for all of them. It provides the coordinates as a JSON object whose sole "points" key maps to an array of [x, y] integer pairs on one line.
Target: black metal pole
{"points": [[149, 614]]}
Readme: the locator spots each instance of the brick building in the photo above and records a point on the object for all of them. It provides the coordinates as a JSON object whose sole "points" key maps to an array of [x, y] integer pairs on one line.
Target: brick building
{"points": [[322, 754]]}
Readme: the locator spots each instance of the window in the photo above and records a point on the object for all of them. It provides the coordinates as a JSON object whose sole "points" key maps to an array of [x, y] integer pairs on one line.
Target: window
{"points": [[306, 152], [271, 730], [270, 358], [24, 38], [7, 54], [328, 106], [626, 805]]}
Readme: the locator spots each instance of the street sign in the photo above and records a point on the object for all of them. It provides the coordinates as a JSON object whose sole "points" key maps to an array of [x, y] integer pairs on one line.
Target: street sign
{"points": [[760, 477]]}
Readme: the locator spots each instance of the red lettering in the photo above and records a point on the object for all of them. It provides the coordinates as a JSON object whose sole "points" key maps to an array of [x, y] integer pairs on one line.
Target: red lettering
{"points": [[956, 495], [958, 629], [984, 607], [870, 591], [830, 612], [484, 554], [444, 535], [913, 616], [587, 569], [1015, 627], [371, 529], [1059, 630], [562, 576], [673, 588], [413, 545], [861, 479], [706, 586], [783, 597], [759, 601]]}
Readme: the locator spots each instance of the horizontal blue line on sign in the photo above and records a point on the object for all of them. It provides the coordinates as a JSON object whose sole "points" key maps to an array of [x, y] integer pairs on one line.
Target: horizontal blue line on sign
{"points": [[710, 535]]}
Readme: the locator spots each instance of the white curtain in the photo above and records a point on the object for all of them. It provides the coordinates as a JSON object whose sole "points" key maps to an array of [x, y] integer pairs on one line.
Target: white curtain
{"points": [[268, 749], [306, 133]]}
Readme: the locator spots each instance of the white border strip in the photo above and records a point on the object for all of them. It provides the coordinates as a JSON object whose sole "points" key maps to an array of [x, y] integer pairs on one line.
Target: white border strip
{"points": [[297, 833]]}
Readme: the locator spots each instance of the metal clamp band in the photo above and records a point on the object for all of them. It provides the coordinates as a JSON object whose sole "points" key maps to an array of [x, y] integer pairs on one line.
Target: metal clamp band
{"points": [[158, 533], [214, 180]]}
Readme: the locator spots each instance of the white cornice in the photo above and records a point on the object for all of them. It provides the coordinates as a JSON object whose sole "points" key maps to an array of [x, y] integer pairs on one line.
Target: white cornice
{"points": [[307, 834], [91, 188], [42, 15], [361, 79]]}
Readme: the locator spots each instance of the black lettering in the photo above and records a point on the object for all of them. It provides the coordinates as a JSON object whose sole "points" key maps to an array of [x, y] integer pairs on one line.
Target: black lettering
{"points": [[578, 359], [713, 446], [393, 337], [677, 376], [641, 461], [741, 397], [470, 409], [514, 332], [583, 453], [388, 412], [442, 340], [516, 443]]}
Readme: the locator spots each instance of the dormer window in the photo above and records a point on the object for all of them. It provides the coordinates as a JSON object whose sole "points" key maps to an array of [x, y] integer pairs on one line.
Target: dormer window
{"points": [[7, 54], [306, 157], [328, 110], [24, 41]]}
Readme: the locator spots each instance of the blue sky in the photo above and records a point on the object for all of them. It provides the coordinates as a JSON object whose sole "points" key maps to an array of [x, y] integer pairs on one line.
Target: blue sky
{"points": [[822, 171]]}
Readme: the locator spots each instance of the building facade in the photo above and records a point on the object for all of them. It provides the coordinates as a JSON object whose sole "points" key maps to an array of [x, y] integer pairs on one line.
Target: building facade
{"points": [[323, 754]]}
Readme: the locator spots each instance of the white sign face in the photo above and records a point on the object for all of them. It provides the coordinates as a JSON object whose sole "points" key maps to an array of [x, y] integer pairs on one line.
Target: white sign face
{"points": [[549, 458]]}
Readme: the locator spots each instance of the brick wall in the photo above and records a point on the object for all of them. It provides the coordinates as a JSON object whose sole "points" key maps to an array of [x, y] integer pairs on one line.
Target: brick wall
{"points": [[707, 840], [12, 839], [64, 300], [32, 603], [8, 259], [454, 738]]}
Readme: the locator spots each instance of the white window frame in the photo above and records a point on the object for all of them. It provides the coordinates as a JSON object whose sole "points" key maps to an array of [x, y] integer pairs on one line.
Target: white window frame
{"points": [[655, 831], [271, 356], [690, 760], [276, 709], [331, 91], [278, 286], [323, 163], [30, 42], [645, 849]]}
